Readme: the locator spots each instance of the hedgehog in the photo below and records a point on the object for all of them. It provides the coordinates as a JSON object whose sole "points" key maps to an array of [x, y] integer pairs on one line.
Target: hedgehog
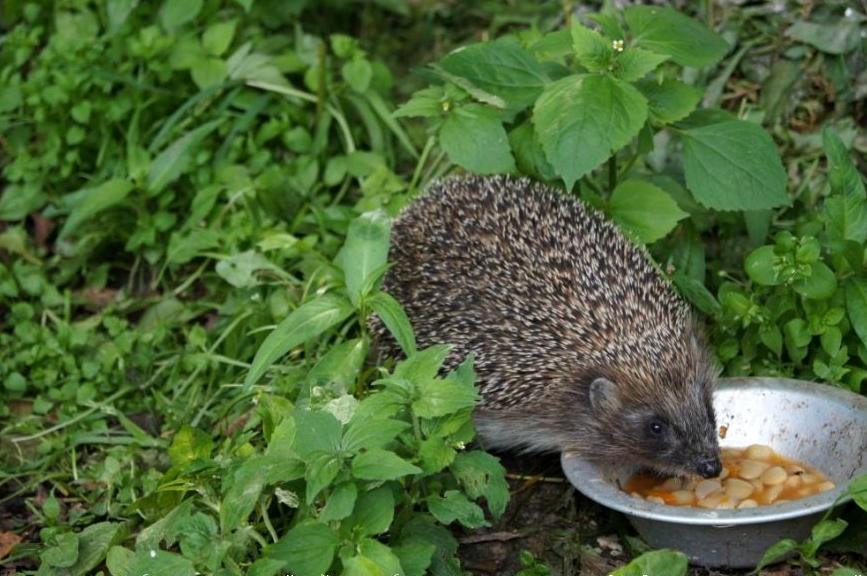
{"points": [[580, 344]]}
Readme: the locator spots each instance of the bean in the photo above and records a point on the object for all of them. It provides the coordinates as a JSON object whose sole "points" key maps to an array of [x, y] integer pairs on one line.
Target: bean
{"points": [[759, 452], [774, 476], [793, 482], [711, 501], [683, 497], [772, 493], [655, 500], [748, 503], [752, 469], [706, 488], [738, 489], [670, 485], [825, 486], [809, 478]]}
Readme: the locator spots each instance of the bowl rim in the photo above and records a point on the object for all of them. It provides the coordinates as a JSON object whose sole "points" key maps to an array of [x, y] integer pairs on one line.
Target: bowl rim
{"points": [[588, 479]]}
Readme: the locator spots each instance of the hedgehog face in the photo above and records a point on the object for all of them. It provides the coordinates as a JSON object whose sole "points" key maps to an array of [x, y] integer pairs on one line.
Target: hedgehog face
{"points": [[676, 435]]}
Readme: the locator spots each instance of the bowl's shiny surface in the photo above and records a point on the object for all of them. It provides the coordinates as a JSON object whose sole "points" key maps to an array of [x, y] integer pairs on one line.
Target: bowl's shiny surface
{"points": [[816, 423]]}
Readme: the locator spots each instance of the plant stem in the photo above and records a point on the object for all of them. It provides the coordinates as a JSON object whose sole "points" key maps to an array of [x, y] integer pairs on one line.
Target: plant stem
{"points": [[612, 173]]}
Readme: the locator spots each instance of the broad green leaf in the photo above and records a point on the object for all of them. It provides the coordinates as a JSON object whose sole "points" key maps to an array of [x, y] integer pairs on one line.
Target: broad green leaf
{"points": [[797, 331], [819, 285], [669, 101], [415, 557], [365, 432], [481, 475], [93, 544], [772, 337], [86, 203], [218, 37], [474, 138], [424, 364], [858, 490], [580, 120], [442, 397], [825, 531], [634, 63], [304, 323], [308, 548], [644, 210], [696, 293], [843, 175], [16, 202], [243, 493], [119, 560], [374, 511], [831, 339], [759, 266], [656, 562], [667, 31], [184, 247], [382, 555], [161, 562], [609, 24], [240, 269], [282, 441], [321, 471], [358, 74], [339, 366], [395, 319], [591, 50], [175, 13], [501, 67], [529, 155], [361, 566], [379, 464], [435, 454], [856, 306], [365, 251], [190, 444], [453, 505], [317, 432], [61, 551], [340, 502], [734, 166], [208, 71], [838, 37], [172, 162], [424, 103]]}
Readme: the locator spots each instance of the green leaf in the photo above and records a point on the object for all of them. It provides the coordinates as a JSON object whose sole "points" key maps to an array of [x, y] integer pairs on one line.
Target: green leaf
{"points": [[317, 432], [846, 218], [696, 293], [340, 366], [580, 120], [667, 31], [208, 71], [395, 319], [321, 471], [838, 37], [16, 202], [501, 67], [240, 499], [669, 101], [759, 266], [452, 506], [61, 551], [173, 161], [772, 337], [734, 166], [358, 74], [831, 339], [189, 445], [382, 555], [218, 37], [340, 502], [825, 531], [175, 13], [442, 397], [858, 490], [481, 475], [474, 138], [856, 306], [308, 548], [656, 562], [379, 464], [423, 365], [644, 210], [365, 251], [634, 63], [425, 103], [591, 50], [415, 557], [374, 511], [361, 566], [435, 454], [843, 175], [88, 202], [304, 323], [119, 560], [529, 155], [365, 432], [819, 285], [161, 562]]}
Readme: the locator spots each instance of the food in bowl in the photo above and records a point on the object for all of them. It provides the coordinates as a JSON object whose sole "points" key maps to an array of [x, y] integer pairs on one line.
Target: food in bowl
{"points": [[752, 476]]}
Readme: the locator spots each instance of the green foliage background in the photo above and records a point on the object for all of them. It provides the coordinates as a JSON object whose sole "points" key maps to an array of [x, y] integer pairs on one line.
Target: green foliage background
{"points": [[195, 218]]}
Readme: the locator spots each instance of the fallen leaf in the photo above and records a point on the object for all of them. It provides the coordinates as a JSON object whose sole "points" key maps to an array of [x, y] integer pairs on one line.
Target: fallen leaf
{"points": [[8, 541]]}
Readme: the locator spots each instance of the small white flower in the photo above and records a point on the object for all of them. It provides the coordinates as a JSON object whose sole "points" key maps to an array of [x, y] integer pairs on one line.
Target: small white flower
{"points": [[617, 45], [153, 553]]}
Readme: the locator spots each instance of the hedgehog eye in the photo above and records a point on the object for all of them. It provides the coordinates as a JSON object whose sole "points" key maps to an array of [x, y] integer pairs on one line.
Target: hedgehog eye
{"points": [[656, 426]]}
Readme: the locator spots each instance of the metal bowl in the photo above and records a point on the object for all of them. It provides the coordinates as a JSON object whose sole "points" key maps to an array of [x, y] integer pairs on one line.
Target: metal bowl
{"points": [[815, 423]]}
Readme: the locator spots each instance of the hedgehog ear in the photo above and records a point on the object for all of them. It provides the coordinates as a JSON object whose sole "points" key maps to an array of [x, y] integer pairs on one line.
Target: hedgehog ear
{"points": [[603, 395]]}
